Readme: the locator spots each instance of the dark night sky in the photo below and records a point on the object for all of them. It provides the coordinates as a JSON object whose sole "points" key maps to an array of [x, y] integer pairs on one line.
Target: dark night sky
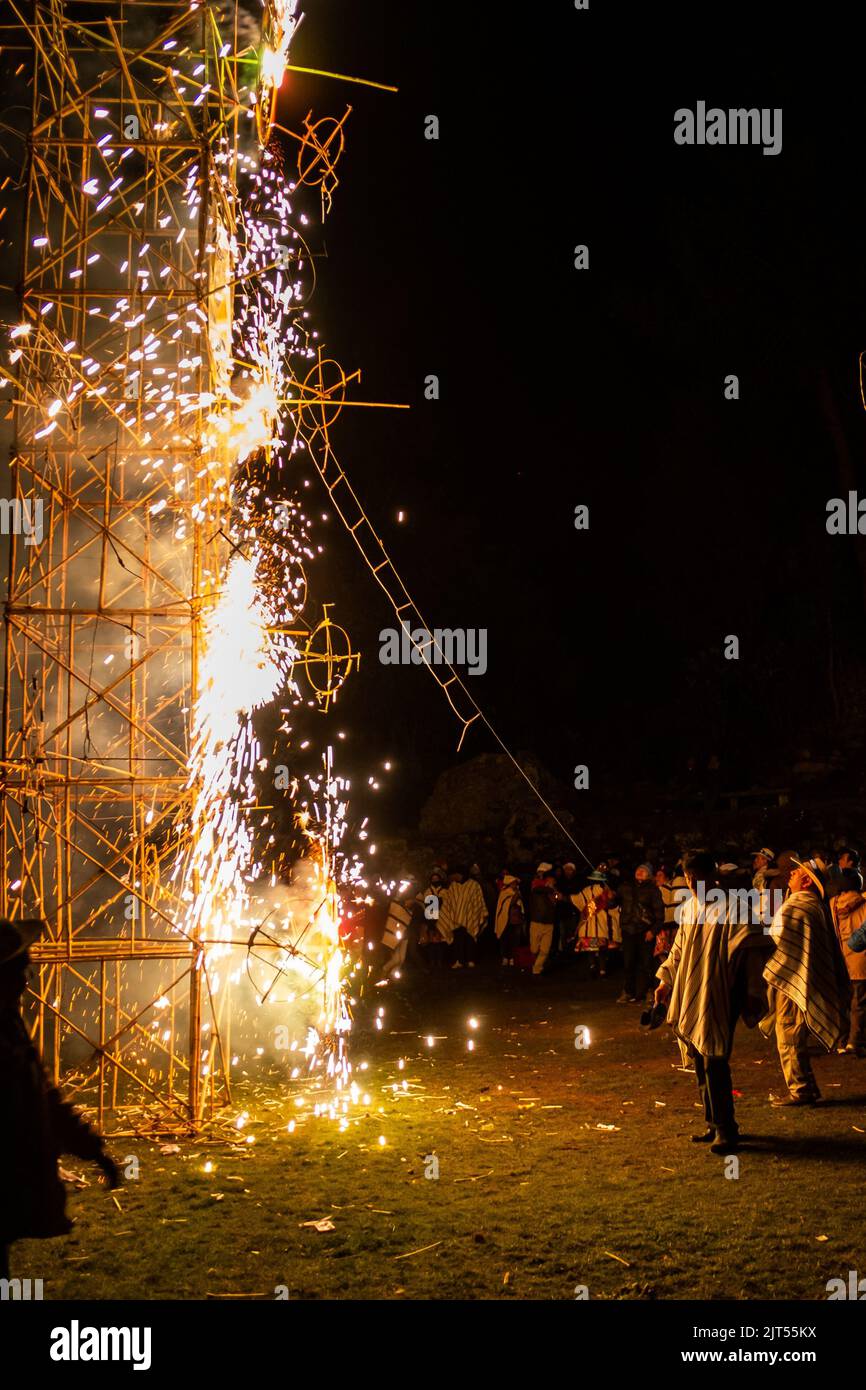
{"points": [[603, 387], [606, 387]]}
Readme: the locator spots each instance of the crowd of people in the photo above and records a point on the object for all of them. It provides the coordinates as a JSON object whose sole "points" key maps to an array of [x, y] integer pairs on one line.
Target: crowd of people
{"points": [[775, 940]]}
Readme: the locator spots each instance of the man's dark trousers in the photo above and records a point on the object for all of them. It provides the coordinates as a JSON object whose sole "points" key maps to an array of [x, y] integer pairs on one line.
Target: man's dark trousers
{"points": [[637, 961], [714, 1080], [717, 1093]]}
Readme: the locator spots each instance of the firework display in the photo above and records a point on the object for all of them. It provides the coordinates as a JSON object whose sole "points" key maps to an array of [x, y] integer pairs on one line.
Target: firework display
{"points": [[163, 348], [335, 329]]}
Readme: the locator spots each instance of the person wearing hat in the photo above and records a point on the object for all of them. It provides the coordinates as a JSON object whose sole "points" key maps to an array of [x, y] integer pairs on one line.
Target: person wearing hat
{"points": [[765, 876], [543, 898], [641, 919], [462, 915], [610, 867], [36, 1125], [807, 983], [709, 981], [843, 873], [598, 928], [763, 869], [509, 918], [763, 866]]}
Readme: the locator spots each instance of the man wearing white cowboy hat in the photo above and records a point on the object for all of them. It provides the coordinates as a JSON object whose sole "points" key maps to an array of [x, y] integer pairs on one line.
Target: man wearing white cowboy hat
{"points": [[807, 983], [543, 898], [36, 1125]]}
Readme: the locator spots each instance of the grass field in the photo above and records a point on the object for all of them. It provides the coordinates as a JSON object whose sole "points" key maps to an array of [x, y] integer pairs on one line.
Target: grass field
{"points": [[558, 1167]]}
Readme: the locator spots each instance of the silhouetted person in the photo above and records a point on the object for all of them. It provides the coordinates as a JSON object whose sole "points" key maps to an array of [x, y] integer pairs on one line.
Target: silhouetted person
{"points": [[712, 978], [842, 877], [36, 1126], [641, 920]]}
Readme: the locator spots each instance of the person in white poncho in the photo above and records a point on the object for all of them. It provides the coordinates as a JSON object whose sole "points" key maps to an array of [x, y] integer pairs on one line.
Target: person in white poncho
{"points": [[510, 917], [711, 979], [598, 927], [462, 914], [807, 982]]}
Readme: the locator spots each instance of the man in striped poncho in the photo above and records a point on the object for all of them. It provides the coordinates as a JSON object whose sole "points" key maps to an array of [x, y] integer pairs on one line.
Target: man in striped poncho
{"points": [[711, 977], [462, 914], [807, 983]]}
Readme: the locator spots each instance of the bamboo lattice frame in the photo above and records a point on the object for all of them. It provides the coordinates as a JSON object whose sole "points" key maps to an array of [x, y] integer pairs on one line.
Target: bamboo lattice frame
{"points": [[104, 616]]}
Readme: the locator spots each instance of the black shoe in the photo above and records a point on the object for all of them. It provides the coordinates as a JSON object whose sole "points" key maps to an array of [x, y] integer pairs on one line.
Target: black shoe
{"points": [[725, 1146], [706, 1138], [654, 1015]]}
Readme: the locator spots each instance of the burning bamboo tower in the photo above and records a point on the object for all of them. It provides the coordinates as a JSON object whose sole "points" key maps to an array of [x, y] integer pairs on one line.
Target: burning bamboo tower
{"points": [[134, 408]]}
